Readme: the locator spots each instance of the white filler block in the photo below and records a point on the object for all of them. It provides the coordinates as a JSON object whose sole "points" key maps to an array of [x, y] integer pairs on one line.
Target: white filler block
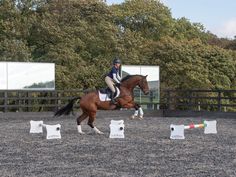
{"points": [[210, 127], [36, 126], [177, 131], [53, 131], [117, 129]]}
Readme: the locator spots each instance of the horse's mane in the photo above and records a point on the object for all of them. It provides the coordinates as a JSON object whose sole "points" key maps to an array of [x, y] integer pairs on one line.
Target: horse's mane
{"points": [[128, 76]]}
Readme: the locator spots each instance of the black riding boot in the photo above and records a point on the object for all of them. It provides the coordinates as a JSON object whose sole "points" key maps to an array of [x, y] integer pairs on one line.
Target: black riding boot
{"points": [[112, 98]]}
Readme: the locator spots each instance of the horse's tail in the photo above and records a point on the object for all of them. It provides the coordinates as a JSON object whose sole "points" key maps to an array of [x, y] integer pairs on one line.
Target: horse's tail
{"points": [[67, 108]]}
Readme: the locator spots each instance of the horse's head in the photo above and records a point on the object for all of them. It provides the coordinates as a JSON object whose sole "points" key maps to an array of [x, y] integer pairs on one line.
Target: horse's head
{"points": [[130, 81], [143, 84]]}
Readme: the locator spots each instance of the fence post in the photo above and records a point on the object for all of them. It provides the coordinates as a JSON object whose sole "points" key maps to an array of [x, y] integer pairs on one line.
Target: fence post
{"points": [[168, 99], [5, 101], [150, 105], [190, 100], [27, 101], [199, 106], [59, 95], [155, 106], [219, 100]]}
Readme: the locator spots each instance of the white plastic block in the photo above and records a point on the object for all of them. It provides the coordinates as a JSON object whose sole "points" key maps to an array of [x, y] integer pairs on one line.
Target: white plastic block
{"points": [[210, 127], [117, 129], [53, 131], [36, 126], [117, 122], [177, 131]]}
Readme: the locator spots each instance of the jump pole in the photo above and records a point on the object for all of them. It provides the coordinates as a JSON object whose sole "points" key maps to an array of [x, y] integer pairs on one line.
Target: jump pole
{"points": [[190, 126], [177, 131]]}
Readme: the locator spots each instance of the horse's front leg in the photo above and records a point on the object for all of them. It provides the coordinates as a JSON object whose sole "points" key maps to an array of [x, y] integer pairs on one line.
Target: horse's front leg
{"points": [[138, 113], [138, 110], [135, 115]]}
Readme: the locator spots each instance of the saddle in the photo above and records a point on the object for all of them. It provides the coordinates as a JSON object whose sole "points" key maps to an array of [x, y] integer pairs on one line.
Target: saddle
{"points": [[105, 93]]}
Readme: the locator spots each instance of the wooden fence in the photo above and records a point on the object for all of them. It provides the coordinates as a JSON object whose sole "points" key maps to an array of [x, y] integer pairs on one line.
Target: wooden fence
{"points": [[198, 100], [36, 101]]}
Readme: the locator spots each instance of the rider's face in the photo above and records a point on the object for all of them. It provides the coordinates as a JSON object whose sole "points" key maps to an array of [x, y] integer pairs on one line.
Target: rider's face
{"points": [[117, 65]]}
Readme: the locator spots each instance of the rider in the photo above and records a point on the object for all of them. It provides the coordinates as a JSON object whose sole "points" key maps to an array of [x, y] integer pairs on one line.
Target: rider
{"points": [[113, 76]]}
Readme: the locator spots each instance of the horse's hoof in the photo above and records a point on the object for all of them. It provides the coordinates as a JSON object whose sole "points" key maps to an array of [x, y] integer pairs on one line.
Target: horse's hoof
{"points": [[96, 131], [81, 133], [133, 117], [140, 117]]}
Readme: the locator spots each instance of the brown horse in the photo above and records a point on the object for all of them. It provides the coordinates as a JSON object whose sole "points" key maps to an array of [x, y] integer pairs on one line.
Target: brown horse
{"points": [[90, 102]]}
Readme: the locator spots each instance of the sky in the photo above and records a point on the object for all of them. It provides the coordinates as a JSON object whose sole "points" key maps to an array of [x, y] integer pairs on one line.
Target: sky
{"points": [[217, 16]]}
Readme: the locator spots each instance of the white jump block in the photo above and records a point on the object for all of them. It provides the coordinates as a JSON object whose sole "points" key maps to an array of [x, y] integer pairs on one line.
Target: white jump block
{"points": [[210, 127], [117, 129], [53, 131], [36, 126], [177, 131]]}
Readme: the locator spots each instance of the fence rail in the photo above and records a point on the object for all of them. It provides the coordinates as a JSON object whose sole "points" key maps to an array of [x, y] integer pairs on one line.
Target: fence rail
{"points": [[36, 101], [210, 100], [22, 100], [197, 100]]}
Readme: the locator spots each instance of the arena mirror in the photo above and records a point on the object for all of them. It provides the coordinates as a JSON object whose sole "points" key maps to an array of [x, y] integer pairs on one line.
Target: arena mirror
{"points": [[153, 82], [27, 76]]}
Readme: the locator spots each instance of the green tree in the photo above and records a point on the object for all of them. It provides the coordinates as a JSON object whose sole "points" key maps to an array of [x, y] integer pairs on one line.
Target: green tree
{"points": [[150, 18], [82, 37], [78, 36], [13, 30], [183, 29]]}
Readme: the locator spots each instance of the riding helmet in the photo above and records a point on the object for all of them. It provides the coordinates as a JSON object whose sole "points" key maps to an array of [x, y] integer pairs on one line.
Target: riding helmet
{"points": [[116, 60]]}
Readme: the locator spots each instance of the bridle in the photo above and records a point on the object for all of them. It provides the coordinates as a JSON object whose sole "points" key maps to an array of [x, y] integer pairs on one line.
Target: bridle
{"points": [[141, 83]]}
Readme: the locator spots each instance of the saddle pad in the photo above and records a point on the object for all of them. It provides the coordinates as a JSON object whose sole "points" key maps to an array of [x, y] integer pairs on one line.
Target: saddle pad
{"points": [[105, 97]]}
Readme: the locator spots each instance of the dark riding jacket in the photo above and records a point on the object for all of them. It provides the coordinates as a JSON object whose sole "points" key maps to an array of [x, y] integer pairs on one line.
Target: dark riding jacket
{"points": [[114, 74]]}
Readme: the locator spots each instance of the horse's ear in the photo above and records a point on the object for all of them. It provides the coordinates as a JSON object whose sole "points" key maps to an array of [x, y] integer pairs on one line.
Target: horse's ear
{"points": [[146, 76]]}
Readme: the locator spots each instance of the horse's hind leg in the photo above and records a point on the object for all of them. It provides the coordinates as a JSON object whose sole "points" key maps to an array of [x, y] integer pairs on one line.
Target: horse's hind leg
{"points": [[79, 120], [92, 117]]}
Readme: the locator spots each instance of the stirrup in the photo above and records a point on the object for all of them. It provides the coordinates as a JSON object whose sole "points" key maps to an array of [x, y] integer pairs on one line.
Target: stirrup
{"points": [[113, 101], [112, 98]]}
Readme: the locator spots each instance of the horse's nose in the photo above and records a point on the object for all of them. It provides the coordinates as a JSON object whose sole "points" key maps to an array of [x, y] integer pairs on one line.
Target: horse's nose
{"points": [[146, 92]]}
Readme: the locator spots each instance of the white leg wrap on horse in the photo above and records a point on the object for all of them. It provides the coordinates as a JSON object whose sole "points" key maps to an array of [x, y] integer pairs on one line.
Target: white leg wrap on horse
{"points": [[140, 112], [135, 114], [97, 131], [80, 129]]}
